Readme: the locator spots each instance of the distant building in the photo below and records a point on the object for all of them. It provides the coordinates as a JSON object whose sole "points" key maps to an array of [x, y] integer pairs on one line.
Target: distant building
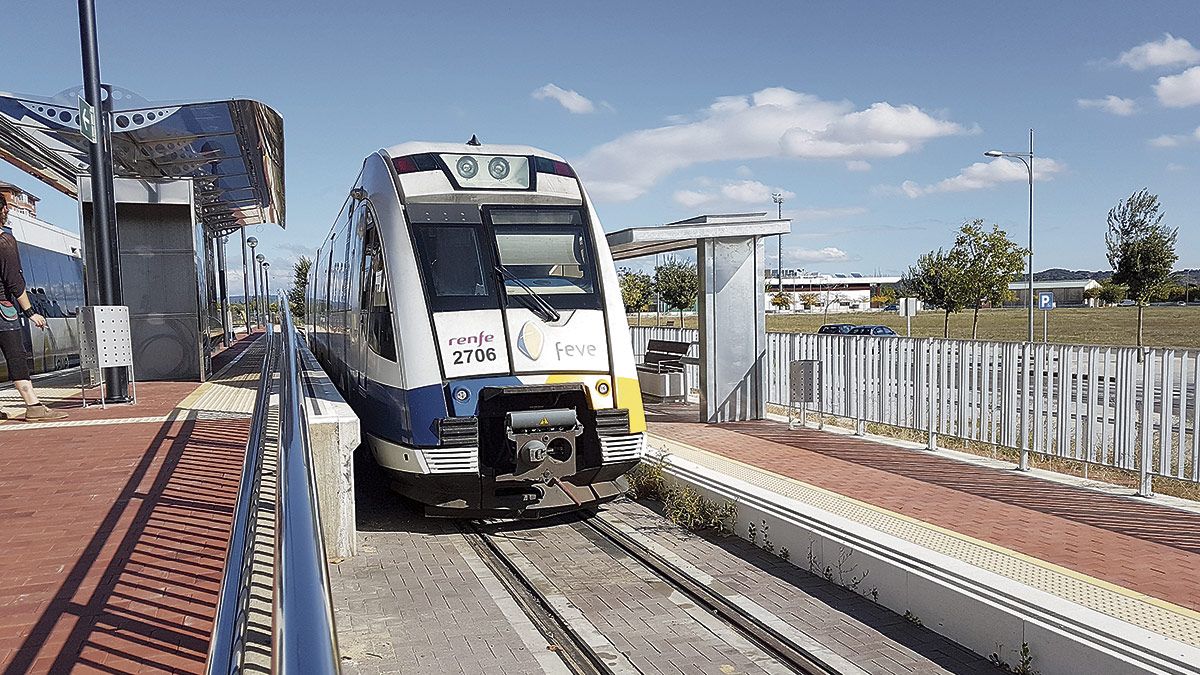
{"points": [[1067, 292], [19, 200], [842, 292]]}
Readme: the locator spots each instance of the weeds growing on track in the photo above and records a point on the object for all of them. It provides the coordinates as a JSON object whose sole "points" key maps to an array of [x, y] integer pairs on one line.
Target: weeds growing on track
{"points": [[682, 505]]}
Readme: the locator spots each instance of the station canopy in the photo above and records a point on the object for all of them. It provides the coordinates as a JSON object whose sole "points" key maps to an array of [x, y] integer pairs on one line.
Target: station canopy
{"points": [[233, 150], [637, 242]]}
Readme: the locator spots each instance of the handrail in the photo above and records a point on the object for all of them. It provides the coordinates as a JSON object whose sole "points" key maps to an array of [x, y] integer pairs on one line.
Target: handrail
{"points": [[225, 650], [305, 640]]}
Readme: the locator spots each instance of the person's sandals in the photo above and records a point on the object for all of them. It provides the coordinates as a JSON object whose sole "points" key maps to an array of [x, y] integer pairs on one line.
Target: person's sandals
{"points": [[40, 413]]}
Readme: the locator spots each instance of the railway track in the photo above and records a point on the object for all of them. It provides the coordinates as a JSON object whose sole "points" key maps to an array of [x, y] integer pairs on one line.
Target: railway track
{"points": [[557, 607]]}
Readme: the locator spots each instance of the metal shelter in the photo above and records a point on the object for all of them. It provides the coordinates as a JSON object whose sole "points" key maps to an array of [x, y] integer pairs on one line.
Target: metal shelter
{"points": [[187, 176], [731, 312]]}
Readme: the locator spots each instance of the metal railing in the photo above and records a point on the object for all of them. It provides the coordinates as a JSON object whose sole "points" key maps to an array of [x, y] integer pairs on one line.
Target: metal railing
{"points": [[1112, 406], [304, 638]]}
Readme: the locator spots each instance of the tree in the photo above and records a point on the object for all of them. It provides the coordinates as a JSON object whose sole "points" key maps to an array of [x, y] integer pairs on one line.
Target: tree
{"points": [[637, 290], [781, 300], [677, 283], [1093, 293], [299, 288], [1110, 293], [987, 262], [935, 281], [1141, 249], [810, 299]]}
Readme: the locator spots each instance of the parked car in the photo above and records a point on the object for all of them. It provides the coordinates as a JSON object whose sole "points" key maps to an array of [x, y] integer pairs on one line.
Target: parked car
{"points": [[1126, 303], [873, 330], [835, 329], [891, 308]]}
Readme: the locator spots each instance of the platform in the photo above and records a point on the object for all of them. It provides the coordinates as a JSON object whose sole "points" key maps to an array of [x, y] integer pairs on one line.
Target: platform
{"points": [[115, 521], [1052, 552]]}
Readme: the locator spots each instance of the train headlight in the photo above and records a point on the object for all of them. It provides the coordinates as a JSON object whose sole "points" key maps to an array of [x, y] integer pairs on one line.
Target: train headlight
{"points": [[461, 395], [467, 167], [498, 167], [602, 388]]}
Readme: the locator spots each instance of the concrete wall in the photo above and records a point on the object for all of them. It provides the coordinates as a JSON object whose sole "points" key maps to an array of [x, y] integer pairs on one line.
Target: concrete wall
{"points": [[333, 433]]}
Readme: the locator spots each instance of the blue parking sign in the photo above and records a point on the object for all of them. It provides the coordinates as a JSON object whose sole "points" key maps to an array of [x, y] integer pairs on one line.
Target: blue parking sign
{"points": [[1045, 300]]}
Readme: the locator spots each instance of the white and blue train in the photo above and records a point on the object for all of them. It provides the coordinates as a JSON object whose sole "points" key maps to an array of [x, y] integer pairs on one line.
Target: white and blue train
{"points": [[466, 305]]}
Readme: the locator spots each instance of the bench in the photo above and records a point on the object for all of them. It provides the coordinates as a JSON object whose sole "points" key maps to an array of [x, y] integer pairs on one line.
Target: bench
{"points": [[661, 373]]}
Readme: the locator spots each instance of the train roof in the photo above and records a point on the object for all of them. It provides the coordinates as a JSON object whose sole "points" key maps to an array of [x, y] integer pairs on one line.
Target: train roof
{"points": [[419, 147]]}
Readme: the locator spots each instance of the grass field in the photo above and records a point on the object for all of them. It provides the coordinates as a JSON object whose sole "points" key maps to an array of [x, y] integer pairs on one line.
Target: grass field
{"points": [[1167, 326]]}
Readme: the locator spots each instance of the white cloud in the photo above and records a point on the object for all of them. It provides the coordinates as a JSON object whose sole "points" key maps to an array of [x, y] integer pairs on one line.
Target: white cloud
{"points": [[1169, 51], [1114, 105], [1179, 91], [858, 165], [742, 191], [744, 171], [981, 175], [570, 99], [808, 215], [774, 122], [827, 254], [1176, 167], [1166, 140]]}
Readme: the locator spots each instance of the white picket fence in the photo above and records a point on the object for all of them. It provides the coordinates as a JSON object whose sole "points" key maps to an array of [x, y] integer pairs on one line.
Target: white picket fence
{"points": [[1096, 404]]}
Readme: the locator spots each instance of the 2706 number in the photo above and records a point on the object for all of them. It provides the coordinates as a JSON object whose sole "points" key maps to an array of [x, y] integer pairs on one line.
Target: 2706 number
{"points": [[462, 356]]}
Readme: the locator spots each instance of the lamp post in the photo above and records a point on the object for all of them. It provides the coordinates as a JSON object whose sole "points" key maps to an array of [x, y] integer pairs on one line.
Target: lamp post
{"points": [[267, 291], [252, 242], [777, 197], [257, 298], [1026, 159]]}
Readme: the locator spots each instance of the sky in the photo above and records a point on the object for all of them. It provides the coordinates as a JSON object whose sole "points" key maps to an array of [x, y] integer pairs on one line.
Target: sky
{"points": [[870, 118]]}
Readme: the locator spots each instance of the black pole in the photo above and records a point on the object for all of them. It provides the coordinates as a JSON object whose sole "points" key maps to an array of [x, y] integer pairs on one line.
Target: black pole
{"points": [[226, 327], [245, 285], [103, 224]]}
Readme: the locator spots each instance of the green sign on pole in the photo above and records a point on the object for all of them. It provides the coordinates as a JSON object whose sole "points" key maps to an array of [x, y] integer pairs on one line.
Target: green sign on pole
{"points": [[87, 121]]}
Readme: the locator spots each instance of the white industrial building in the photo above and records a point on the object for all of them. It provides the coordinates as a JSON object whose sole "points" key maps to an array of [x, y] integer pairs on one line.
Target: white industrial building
{"points": [[841, 292]]}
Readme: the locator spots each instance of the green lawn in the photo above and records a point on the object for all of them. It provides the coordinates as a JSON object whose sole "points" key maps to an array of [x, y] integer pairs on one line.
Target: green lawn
{"points": [[1168, 326]]}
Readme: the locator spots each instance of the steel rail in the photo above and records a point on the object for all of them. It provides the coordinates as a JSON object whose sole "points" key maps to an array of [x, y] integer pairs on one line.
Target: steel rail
{"points": [[575, 652], [305, 639], [771, 640], [227, 647]]}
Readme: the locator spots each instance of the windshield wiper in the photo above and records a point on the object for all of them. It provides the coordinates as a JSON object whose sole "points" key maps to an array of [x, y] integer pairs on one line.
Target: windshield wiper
{"points": [[539, 304]]}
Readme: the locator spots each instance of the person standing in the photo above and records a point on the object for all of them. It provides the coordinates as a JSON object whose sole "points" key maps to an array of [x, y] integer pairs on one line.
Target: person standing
{"points": [[15, 305]]}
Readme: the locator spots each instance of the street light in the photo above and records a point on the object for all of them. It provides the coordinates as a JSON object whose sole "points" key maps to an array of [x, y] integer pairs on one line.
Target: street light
{"points": [[777, 197], [267, 290], [257, 299], [252, 242], [1026, 159]]}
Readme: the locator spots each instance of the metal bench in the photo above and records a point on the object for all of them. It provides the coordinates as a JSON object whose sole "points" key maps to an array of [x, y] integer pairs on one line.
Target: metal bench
{"points": [[661, 373]]}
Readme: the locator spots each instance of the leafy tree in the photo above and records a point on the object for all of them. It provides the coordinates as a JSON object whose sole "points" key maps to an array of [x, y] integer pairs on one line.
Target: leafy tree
{"points": [[1141, 249], [781, 300], [885, 295], [1093, 293], [810, 299], [299, 288], [935, 281], [637, 290], [986, 262], [678, 284], [1111, 294]]}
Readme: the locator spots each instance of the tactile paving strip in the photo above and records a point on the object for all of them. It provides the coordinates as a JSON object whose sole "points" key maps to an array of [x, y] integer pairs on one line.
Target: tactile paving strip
{"points": [[1155, 615]]}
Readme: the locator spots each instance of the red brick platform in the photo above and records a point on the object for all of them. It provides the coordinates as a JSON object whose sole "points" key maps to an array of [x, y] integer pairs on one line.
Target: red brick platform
{"points": [[113, 534], [1128, 541]]}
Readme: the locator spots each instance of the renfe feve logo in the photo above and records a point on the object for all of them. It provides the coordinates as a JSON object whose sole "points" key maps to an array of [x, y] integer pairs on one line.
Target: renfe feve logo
{"points": [[474, 348], [530, 340]]}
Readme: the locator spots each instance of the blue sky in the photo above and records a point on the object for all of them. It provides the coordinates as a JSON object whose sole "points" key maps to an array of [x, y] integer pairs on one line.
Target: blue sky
{"points": [[872, 117]]}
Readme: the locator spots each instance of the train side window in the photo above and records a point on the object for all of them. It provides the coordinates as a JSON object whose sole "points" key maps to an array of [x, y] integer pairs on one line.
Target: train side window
{"points": [[380, 336]]}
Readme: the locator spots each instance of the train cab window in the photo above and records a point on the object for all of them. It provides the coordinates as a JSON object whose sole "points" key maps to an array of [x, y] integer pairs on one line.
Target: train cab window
{"points": [[455, 267], [546, 252], [380, 334]]}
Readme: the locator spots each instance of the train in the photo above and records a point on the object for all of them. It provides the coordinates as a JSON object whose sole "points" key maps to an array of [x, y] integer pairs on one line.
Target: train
{"points": [[466, 305], [52, 263]]}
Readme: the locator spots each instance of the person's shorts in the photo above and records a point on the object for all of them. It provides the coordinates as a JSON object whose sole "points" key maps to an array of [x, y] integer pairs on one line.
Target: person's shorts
{"points": [[12, 343]]}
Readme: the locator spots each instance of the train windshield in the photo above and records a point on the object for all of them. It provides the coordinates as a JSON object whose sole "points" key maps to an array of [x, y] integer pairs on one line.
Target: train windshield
{"points": [[546, 252]]}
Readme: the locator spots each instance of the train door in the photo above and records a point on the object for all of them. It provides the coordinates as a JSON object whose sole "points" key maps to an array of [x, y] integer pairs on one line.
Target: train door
{"points": [[371, 264]]}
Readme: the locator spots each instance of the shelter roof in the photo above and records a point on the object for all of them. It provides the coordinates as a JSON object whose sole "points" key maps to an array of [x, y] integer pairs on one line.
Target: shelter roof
{"points": [[233, 150]]}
